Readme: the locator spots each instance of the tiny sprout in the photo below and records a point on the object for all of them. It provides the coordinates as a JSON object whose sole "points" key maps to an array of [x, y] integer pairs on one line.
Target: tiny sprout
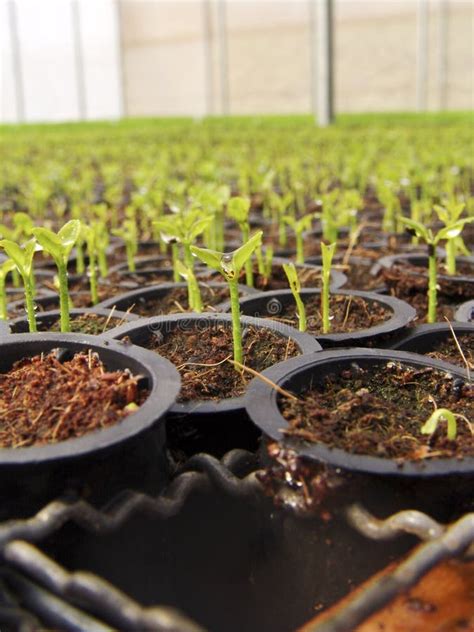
{"points": [[229, 265], [238, 209], [194, 293], [130, 236], [23, 260], [327, 253], [299, 226], [6, 267], [448, 233], [449, 214], [295, 287], [441, 414], [59, 246]]}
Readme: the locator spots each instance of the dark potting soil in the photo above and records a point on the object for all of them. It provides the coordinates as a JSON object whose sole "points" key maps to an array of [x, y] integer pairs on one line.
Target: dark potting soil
{"points": [[176, 301], [201, 358], [347, 313], [449, 352], [94, 324], [359, 277], [380, 411], [44, 400]]}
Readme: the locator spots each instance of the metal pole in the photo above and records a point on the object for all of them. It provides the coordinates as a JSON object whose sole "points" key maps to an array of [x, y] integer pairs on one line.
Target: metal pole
{"points": [[422, 54], [223, 55], [324, 42], [313, 55], [16, 61], [78, 60], [207, 50], [117, 17], [442, 53]]}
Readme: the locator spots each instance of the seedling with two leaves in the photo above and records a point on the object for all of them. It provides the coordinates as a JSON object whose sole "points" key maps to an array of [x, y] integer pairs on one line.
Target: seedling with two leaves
{"points": [[229, 265]]}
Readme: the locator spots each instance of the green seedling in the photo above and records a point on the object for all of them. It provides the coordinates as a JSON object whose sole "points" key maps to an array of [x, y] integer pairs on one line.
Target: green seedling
{"points": [[449, 214], [327, 253], [392, 209], [59, 246], [280, 206], [129, 234], [432, 240], [299, 226], [238, 209], [194, 293], [183, 228], [23, 260], [295, 287], [444, 414], [264, 262], [230, 265], [6, 267]]}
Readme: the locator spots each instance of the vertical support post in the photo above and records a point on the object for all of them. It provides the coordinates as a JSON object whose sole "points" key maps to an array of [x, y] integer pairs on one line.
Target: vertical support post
{"points": [[208, 62], [422, 19], [313, 65], [17, 68], [443, 17], [325, 79], [117, 17], [78, 59], [223, 55]]}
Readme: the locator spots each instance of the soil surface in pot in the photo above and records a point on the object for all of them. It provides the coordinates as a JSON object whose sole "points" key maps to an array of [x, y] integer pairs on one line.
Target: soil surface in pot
{"points": [[94, 324], [347, 313], [44, 400], [360, 278], [448, 351], [379, 411], [410, 283], [175, 301], [201, 357]]}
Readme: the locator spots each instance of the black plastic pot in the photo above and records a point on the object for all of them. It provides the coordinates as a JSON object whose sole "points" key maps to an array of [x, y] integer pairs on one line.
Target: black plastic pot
{"points": [[213, 426], [425, 338], [465, 312], [101, 463], [440, 487], [140, 297], [44, 320], [353, 261], [456, 286], [268, 304]]}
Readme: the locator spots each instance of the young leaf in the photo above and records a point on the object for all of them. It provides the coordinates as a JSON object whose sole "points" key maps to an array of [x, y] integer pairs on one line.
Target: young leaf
{"points": [[68, 235], [212, 258], [292, 276], [242, 254], [22, 257], [238, 209], [418, 228], [49, 241], [452, 230]]}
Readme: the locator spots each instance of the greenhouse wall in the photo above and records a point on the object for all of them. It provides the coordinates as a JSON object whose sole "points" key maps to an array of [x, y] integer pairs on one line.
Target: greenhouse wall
{"points": [[197, 57]]}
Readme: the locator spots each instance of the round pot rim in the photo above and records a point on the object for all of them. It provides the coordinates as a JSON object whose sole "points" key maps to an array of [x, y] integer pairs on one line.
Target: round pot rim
{"points": [[464, 311], [262, 407], [306, 343], [164, 384], [421, 331], [402, 313]]}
